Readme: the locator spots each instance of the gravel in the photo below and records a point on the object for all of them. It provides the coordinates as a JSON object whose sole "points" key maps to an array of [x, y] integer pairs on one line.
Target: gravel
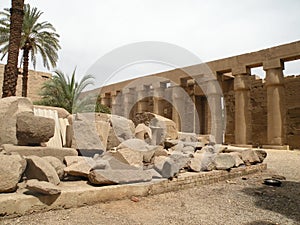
{"points": [[244, 200]]}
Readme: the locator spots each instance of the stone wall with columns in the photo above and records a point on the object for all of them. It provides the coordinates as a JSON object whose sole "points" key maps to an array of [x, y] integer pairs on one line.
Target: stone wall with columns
{"points": [[258, 112]]}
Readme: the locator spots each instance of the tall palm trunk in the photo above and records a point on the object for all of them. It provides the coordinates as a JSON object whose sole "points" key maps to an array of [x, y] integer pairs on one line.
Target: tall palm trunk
{"points": [[11, 68], [26, 50]]}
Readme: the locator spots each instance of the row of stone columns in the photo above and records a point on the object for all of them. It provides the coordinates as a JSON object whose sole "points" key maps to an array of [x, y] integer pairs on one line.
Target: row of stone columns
{"points": [[275, 104]]}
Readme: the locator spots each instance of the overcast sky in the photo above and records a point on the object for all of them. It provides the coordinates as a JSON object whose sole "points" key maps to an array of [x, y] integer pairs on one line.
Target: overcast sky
{"points": [[210, 29]]}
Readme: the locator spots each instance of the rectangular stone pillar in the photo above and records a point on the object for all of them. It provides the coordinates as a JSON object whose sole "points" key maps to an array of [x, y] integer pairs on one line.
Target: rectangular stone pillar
{"points": [[158, 96], [242, 109], [275, 102]]}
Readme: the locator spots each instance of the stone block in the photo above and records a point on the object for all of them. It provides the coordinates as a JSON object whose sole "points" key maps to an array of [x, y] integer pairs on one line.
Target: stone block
{"points": [[106, 177], [40, 169], [42, 187], [40, 151], [34, 130], [11, 170], [10, 108]]}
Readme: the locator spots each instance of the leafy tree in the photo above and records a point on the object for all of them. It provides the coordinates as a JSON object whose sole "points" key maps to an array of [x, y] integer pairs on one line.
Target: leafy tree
{"points": [[10, 33], [63, 91], [37, 37]]}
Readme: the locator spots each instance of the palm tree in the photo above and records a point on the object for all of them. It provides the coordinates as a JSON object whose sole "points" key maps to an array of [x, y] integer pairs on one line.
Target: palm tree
{"points": [[36, 38], [61, 91], [10, 32]]}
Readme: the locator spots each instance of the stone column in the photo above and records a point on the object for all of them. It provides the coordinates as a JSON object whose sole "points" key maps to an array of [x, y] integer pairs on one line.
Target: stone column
{"points": [[158, 96], [104, 100], [128, 100], [214, 96], [116, 108], [275, 102], [142, 104], [242, 109], [178, 105]]}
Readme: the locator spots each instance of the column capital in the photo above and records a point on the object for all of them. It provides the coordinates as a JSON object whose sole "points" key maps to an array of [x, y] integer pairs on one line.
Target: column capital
{"points": [[242, 82], [273, 64]]}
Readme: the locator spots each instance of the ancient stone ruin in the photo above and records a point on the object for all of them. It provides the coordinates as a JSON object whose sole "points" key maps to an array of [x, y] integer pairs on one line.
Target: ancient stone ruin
{"points": [[101, 149]]}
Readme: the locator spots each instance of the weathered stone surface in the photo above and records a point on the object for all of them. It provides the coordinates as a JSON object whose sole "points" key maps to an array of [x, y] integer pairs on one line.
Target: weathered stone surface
{"points": [[155, 174], [141, 146], [142, 132], [114, 163], [85, 136], [121, 129], [262, 154], [33, 130], [61, 112], [195, 163], [172, 165], [42, 187], [188, 150], [249, 157], [57, 165], [237, 158], [169, 143], [79, 165], [41, 169], [187, 137], [40, 151], [207, 163], [160, 151], [130, 156], [10, 108], [168, 126], [159, 162], [104, 177], [11, 170], [224, 161]]}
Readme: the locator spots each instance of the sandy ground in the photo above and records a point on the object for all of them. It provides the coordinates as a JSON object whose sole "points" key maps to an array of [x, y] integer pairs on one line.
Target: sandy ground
{"points": [[242, 200]]}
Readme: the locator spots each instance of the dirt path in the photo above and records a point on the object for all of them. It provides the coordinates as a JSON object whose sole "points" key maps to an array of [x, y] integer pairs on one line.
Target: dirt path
{"points": [[238, 201]]}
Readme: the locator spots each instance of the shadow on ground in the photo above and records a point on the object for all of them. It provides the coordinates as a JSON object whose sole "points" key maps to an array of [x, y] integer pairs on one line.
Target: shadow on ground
{"points": [[284, 200]]}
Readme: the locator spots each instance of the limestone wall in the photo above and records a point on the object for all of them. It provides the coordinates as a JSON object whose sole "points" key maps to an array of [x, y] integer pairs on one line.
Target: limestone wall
{"points": [[292, 103], [35, 82], [258, 109]]}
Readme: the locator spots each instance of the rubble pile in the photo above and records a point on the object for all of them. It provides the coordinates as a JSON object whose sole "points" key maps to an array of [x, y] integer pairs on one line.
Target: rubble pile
{"points": [[103, 149]]}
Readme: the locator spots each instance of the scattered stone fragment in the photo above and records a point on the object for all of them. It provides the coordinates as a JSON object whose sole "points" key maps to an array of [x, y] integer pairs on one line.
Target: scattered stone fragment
{"points": [[79, 165], [249, 157], [173, 164], [237, 158], [187, 137], [224, 161], [41, 169], [195, 162], [42, 187], [262, 154], [188, 150], [11, 170], [130, 156], [57, 165]]}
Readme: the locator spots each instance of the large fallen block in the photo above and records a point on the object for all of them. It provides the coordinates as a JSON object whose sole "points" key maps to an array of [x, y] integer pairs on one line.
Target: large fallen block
{"points": [[104, 177], [33, 130], [40, 151]]}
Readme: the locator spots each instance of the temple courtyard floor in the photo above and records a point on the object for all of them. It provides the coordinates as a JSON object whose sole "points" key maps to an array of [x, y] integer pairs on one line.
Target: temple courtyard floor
{"points": [[242, 199]]}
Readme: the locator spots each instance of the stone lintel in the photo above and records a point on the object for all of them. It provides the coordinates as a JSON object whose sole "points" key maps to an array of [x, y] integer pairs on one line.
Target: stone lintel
{"points": [[240, 70]]}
